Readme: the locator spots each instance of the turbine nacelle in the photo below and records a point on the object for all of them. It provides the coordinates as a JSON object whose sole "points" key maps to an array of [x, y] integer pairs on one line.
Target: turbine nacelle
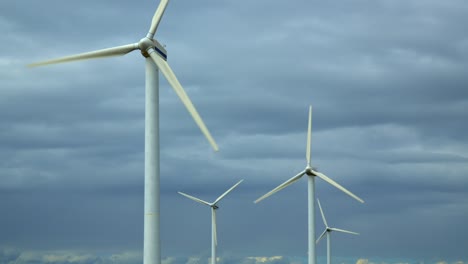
{"points": [[146, 45]]}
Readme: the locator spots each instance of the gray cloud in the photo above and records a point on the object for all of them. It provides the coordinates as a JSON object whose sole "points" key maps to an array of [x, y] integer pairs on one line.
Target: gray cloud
{"points": [[386, 80]]}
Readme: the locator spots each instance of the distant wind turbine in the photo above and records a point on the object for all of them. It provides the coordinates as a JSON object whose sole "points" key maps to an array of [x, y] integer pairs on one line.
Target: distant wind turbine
{"points": [[214, 207], [327, 232], [311, 173], [155, 56]]}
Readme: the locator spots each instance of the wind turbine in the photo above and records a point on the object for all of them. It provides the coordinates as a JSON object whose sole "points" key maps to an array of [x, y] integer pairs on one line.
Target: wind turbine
{"points": [[311, 173], [156, 59], [327, 232], [214, 207]]}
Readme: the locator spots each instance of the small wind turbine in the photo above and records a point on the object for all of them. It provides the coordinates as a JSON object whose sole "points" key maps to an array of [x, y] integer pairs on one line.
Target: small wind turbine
{"points": [[214, 207], [311, 173], [155, 56], [327, 232]]}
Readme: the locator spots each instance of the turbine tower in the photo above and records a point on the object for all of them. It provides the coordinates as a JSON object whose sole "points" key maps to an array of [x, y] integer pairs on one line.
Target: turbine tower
{"points": [[328, 231], [214, 207], [311, 173], [156, 60]]}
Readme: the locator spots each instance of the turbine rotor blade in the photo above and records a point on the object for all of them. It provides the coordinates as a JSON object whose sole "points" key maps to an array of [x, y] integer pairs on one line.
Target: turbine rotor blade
{"points": [[172, 79], [213, 219], [332, 182], [281, 186], [157, 18], [115, 51], [226, 192], [309, 132], [323, 215], [195, 199], [321, 236], [344, 231]]}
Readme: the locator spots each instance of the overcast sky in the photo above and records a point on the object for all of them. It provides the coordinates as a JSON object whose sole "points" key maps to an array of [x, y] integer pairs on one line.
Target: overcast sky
{"points": [[387, 79]]}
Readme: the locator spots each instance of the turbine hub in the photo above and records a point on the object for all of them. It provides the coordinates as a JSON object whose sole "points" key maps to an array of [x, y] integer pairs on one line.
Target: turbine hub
{"points": [[145, 44], [214, 206], [308, 171]]}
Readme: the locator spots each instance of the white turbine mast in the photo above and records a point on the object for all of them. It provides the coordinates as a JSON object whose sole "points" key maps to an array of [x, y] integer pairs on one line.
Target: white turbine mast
{"points": [[156, 60], [311, 173], [328, 231], [214, 207]]}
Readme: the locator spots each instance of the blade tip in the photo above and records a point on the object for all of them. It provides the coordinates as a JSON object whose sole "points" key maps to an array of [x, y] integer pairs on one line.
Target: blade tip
{"points": [[214, 146], [357, 198]]}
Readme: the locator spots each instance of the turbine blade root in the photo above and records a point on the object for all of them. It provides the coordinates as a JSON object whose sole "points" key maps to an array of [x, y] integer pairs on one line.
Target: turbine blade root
{"points": [[226, 192], [195, 199], [332, 182], [281, 186], [321, 236], [157, 18], [172, 79], [309, 133]]}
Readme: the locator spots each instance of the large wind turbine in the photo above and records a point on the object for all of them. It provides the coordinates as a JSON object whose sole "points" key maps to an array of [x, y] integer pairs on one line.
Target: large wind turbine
{"points": [[155, 56], [327, 232], [214, 239], [311, 173]]}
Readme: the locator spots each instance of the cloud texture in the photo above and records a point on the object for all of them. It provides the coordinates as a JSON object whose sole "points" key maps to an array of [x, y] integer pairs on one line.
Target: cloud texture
{"points": [[387, 81]]}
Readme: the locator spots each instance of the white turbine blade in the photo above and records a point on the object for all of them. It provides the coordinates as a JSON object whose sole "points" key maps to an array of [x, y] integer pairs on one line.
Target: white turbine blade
{"points": [[115, 51], [281, 186], [309, 132], [323, 215], [332, 182], [213, 219], [157, 17], [344, 231], [172, 79], [321, 236], [226, 192], [195, 199]]}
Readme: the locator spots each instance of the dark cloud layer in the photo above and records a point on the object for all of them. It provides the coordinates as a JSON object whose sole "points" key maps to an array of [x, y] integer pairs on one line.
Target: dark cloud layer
{"points": [[387, 81]]}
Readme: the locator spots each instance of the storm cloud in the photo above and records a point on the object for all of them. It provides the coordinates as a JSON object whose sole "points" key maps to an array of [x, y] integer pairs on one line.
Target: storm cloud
{"points": [[387, 81]]}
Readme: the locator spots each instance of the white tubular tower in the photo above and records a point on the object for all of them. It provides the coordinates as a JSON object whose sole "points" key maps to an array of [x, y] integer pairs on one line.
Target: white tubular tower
{"points": [[156, 60], [311, 174]]}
